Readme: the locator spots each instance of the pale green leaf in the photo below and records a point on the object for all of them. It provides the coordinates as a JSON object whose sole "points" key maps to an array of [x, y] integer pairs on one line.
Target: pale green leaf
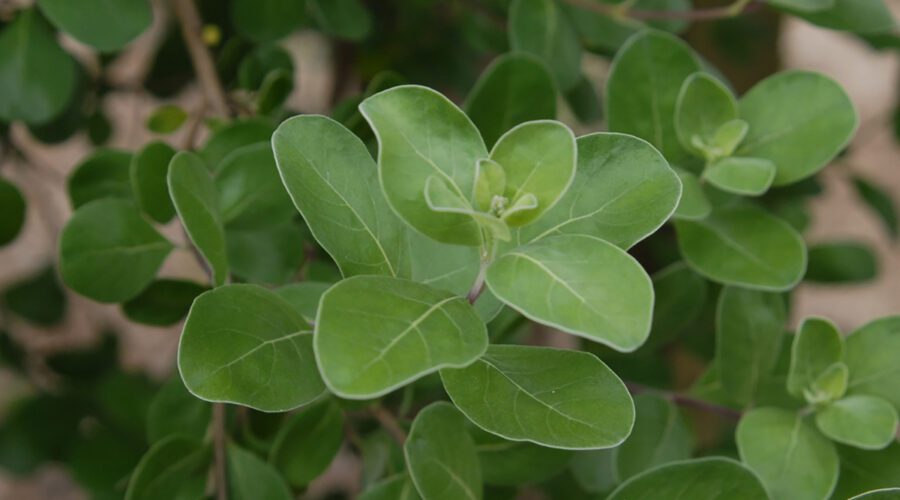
{"points": [[704, 104], [538, 158], [793, 460], [556, 398], [693, 204], [799, 121], [749, 327], [541, 28], [37, 77], [579, 284], [104, 25], [744, 246], [421, 134], [867, 422], [249, 478], [244, 344], [441, 455], [108, 252], [830, 385], [740, 175], [713, 478], [196, 201], [307, 443], [515, 88], [105, 173], [622, 192], [817, 345], [871, 355], [660, 435], [643, 86], [148, 173], [375, 334]]}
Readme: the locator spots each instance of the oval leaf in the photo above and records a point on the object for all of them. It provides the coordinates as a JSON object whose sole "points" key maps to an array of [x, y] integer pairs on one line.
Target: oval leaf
{"points": [[704, 104], [870, 354], [307, 443], [552, 397], [244, 344], [441, 457], [375, 334], [817, 346], [12, 211], [106, 26], [866, 422], [712, 478], [579, 284], [739, 175], [103, 174], [541, 28], [149, 170]]}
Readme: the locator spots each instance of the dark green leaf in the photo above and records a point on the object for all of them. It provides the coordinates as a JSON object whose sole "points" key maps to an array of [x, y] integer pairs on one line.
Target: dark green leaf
{"points": [[307, 443], [148, 173], [39, 298], [841, 262], [106, 26], [12, 211], [103, 174], [165, 302], [880, 202]]}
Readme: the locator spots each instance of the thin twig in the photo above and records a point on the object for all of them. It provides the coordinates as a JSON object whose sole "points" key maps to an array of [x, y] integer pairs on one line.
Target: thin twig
{"points": [[389, 422], [735, 9], [218, 422], [687, 401], [191, 27]]}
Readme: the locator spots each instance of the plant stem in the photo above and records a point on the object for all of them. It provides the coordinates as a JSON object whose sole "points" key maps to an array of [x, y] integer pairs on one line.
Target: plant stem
{"points": [[218, 422], [389, 422], [735, 9], [686, 401], [191, 27]]}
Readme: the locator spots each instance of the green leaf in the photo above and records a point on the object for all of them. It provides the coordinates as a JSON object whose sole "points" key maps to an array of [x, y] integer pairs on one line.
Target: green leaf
{"points": [[246, 345], [333, 182], [512, 463], [441, 456], [749, 327], [744, 246], [269, 255], [712, 478], [817, 346], [864, 470], [595, 470], [267, 20], [870, 354], [740, 175], [39, 298], [857, 16], [693, 204], [103, 174], [397, 487], [108, 252], [274, 91], [307, 443], [347, 19], [175, 411], [679, 298], [660, 435], [841, 262], [623, 191], [866, 422], [375, 334], [196, 201], [551, 397], [251, 194], [163, 303], [579, 284], [541, 28], [803, 5], [799, 121], [584, 101], [422, 134], [514, 89], [106, 26], [304, 296], [260, 62], [12, 211], [884, 494], [704, 104], [166, 119], [233, 136], [148, 173], [249, 478], [790, 456], [643, 87], [37, 77], [173, 468], [538, 158], [880, 202]]}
